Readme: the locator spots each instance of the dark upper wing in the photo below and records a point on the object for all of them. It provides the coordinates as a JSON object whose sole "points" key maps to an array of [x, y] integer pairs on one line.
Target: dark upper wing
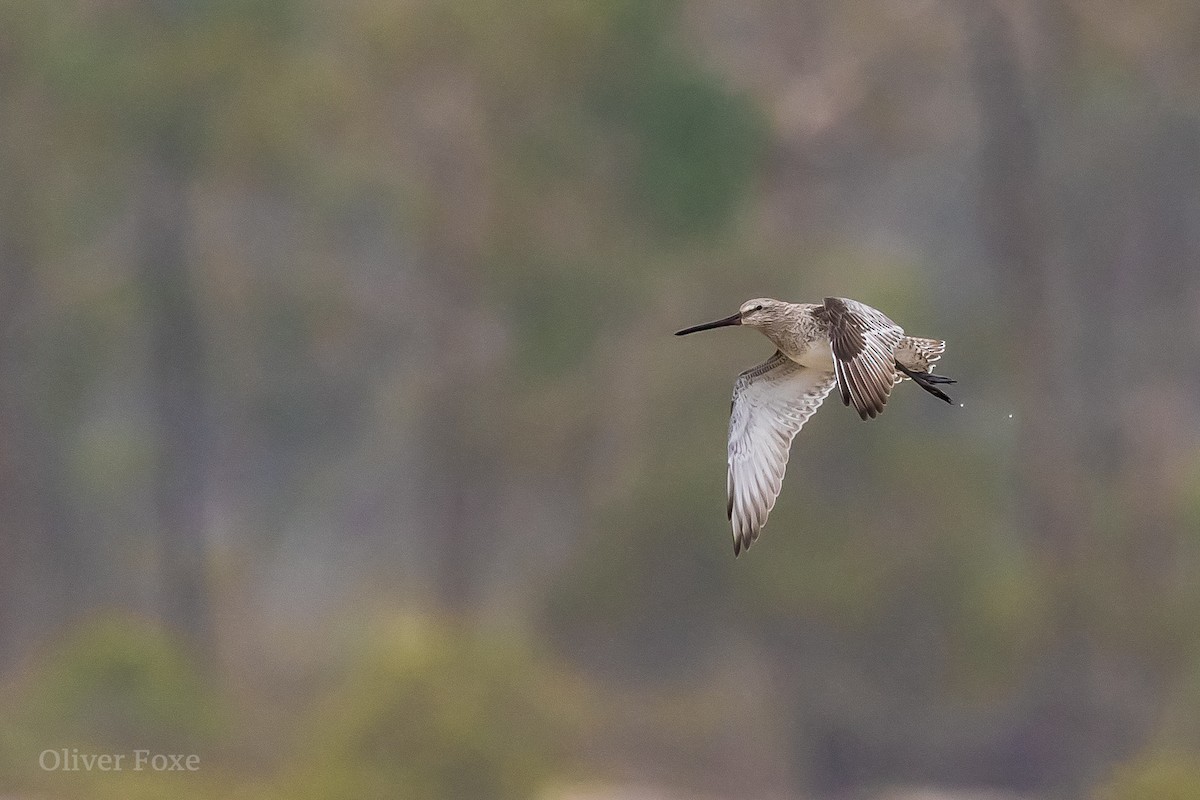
{"points": [[864, 343]]}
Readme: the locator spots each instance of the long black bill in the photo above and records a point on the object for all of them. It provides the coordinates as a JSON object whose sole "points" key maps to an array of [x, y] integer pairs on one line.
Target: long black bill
{"points": [[735, 319]]}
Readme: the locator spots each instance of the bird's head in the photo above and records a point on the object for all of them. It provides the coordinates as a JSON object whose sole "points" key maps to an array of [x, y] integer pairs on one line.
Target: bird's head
{"points": [[760, 312]]}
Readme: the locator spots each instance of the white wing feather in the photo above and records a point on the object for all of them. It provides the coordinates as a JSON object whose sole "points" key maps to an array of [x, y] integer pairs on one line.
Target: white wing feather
{"points": [[771, 403]]}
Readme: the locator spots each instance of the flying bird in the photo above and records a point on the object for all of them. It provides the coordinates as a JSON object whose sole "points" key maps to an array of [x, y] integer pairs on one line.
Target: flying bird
{"points": [[818, 345]]}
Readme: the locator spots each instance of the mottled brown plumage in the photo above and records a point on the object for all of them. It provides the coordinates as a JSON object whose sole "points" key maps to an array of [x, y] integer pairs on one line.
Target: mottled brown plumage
{"points": [[839, 342]]}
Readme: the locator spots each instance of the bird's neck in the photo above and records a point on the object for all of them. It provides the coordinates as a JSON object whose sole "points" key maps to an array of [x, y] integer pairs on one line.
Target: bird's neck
{"points": [[793, 336], [787, 341]]}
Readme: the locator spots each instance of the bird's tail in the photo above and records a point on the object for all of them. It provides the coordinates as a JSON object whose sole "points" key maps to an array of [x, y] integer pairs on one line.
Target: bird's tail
{"points": [[915, 358], [928, 381], [919, 354]]}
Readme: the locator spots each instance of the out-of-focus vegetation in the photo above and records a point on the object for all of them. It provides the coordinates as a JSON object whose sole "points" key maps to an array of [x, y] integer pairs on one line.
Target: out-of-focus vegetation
{"points": [[440, 713], [343, 441]]}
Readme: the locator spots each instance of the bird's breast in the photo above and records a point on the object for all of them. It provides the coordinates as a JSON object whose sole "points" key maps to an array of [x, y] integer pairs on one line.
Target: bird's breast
{"points": [[815, 354]]}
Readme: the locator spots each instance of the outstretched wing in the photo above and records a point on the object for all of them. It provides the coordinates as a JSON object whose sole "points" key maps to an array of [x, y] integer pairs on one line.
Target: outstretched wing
{"points": [[864, 343], [770, 404]]}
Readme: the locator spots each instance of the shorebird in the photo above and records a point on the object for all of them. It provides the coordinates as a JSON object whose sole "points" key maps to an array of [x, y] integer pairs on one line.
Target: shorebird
{"points": [[840, 341]]}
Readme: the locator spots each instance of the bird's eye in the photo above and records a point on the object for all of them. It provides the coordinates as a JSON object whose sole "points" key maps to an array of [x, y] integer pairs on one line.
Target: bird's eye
{"points": [[758, 308]]}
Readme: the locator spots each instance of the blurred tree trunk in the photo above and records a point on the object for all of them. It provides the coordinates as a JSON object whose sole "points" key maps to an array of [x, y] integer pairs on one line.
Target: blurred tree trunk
{"points": [[1038, 301], [462, 474], [178, 386], [44, 566], [458, 482]]}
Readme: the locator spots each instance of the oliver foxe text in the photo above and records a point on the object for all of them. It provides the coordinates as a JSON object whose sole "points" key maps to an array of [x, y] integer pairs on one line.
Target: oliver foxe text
{"points": [[71, 760]]}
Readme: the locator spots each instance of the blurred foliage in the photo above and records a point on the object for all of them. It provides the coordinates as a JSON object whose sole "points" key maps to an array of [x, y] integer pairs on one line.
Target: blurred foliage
{"points": [[423, 707], [440, 712], [697, 144], [120, 681], [112, 685], [1156, 776]]}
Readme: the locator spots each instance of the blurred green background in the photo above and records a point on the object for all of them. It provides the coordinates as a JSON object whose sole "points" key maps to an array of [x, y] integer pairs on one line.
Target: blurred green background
{"points": [[344, 443]]}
